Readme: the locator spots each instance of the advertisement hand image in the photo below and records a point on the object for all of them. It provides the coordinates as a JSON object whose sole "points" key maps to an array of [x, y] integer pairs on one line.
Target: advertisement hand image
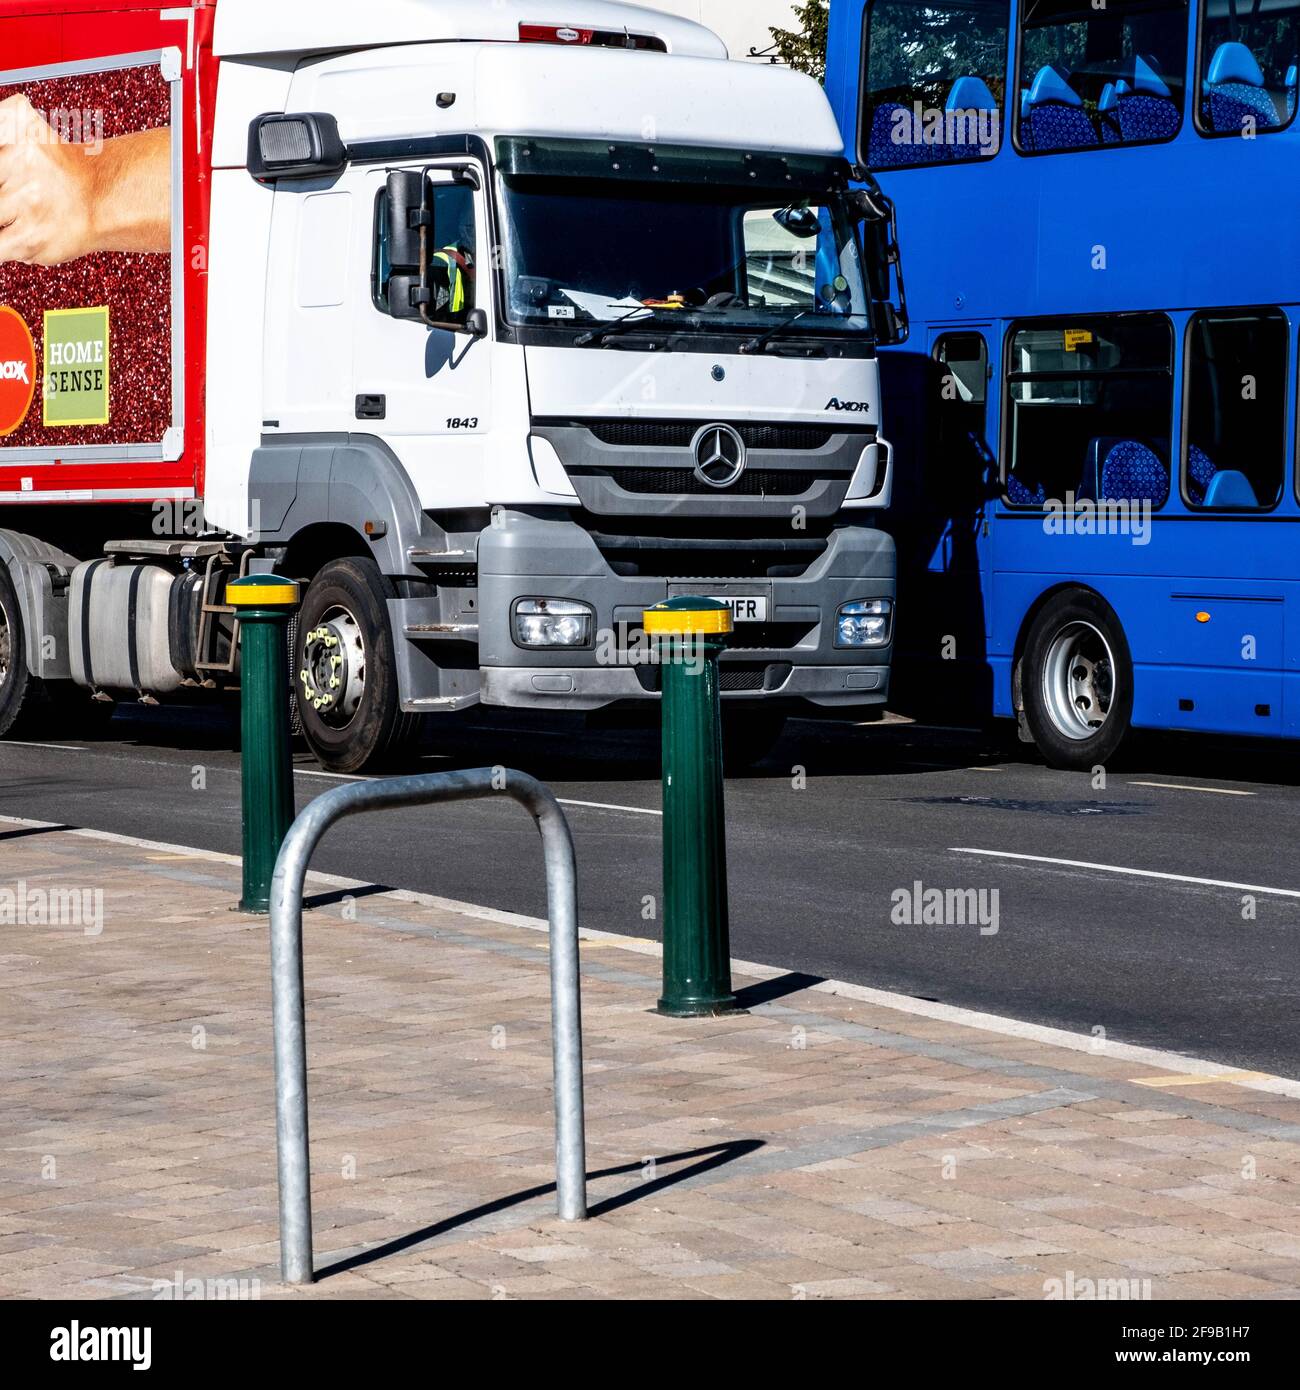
{"points": [[60, 201]]}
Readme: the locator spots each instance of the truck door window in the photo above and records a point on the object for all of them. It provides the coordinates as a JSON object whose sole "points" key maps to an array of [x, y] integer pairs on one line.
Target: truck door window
{"points": [[455, 252]]}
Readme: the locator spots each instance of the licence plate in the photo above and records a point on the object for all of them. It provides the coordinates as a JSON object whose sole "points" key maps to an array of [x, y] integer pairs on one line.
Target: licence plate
{"points": [[745, 608]]}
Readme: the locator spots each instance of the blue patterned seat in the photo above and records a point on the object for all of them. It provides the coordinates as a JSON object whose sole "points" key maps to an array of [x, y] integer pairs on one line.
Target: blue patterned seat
{"points": [[1108, 113], [897, 140], [1145, 108], [1056, 119], [1021, 495], [971, 98], [1134, 473], [1200, 474], [1026, 130], [1234, 97]]}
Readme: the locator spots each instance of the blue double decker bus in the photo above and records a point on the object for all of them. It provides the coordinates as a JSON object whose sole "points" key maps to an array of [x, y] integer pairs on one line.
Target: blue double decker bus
{"points": [[1096, 497]]}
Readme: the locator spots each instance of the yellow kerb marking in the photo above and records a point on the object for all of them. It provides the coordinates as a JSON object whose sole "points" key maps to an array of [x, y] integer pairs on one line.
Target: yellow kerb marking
{"points": [[709, 622]]}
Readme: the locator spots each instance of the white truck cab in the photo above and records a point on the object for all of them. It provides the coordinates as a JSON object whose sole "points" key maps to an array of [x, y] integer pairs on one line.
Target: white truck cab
{"points": [[517, 327]]}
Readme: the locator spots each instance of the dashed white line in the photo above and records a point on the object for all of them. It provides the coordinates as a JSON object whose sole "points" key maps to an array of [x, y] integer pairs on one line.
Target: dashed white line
{"points": [[605, 806], [1135, 873], [57, 747], [1182, 787]]}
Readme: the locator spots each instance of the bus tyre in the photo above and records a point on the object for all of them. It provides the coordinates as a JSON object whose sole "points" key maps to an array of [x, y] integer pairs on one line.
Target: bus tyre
{"points": [[346, 672], [1077, 681], [19, 692]]}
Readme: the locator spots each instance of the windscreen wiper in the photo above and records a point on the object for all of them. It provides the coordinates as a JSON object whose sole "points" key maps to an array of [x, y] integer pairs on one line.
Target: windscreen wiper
{"points": [[626, 324], [760, 343]]}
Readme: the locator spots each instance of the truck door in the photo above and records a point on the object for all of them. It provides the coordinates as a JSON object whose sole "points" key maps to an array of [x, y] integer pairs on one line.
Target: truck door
{"points": [[428, 390]]}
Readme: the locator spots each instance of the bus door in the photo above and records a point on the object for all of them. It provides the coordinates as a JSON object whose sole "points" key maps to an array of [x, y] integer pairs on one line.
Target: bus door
{"points": [[950, 542]]}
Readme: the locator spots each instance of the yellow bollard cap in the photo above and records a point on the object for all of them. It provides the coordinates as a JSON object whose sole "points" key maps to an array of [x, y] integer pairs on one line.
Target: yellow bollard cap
{"points": [[262, 591], [689, 617]]}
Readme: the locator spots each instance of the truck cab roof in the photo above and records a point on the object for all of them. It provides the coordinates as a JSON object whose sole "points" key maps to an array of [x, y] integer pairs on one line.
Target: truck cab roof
{"points": [[245, 28]]}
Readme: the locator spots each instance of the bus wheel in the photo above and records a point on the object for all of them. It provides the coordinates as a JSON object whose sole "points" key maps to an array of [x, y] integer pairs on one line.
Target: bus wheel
{"points": [[17, 688], [1077, 681], [346, 672]]}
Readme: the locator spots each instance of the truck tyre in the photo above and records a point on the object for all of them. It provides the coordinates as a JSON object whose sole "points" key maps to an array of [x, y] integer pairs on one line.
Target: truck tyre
{"points": [[1077, 681], [19, 692], [346, 673]]}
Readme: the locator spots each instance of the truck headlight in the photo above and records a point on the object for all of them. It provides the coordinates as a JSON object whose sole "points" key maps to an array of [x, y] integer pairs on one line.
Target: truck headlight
{"points": [[864, 624], [553, 622]]}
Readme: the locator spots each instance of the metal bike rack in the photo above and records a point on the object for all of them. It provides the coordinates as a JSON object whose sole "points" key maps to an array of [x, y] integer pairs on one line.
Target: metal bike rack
{"points": [[292, 1146]]}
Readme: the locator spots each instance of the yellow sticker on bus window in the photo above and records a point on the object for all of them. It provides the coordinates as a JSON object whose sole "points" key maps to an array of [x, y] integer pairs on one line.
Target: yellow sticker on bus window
{"points": [[1074, 337]]}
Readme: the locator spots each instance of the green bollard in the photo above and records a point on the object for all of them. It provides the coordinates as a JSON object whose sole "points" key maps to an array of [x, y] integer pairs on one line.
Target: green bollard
{"points": [[263, 604], [690, 634]]}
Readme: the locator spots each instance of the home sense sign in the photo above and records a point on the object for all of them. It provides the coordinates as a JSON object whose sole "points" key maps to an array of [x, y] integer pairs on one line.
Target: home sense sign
{"points": [[76, 367]]}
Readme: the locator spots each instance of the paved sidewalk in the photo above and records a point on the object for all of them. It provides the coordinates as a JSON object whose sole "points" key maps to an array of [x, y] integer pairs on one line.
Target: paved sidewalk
{"points": [[821, 1146]]}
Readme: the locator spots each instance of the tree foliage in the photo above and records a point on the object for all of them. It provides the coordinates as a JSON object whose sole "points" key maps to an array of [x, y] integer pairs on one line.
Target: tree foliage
{"points": [[804, 48]]}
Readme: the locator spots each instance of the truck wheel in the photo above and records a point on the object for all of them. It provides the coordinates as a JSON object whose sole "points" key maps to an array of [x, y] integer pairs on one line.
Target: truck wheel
{"points": [[1077, 681], [18, 691], [346, 673]]}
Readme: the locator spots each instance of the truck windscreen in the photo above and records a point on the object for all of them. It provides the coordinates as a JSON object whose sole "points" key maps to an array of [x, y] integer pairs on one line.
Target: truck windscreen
{"points": [[701, 259]]}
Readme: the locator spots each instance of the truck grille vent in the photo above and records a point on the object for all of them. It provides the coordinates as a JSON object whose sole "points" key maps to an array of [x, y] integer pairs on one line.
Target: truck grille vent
{"points": [[682, 482], [668, 434]]}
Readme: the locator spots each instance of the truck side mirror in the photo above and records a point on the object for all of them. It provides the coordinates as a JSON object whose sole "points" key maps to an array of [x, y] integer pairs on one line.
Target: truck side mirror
{"points": [[403, 216], [884, 264]]}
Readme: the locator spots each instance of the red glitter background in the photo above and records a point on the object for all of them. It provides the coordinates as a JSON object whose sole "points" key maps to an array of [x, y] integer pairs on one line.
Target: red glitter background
{"points": [[137, 289]]}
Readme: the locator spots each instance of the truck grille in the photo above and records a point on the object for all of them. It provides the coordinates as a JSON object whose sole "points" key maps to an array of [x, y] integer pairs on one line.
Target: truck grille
{"points": [[670, 434], [682, 482]]}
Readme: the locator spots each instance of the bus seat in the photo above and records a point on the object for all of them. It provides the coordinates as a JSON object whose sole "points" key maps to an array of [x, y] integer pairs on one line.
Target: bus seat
{"points": [[1022, 495], [884, 152], [973, 94], [1056, 115], [1292, 81], [1108, 115], [1234, 90], [1228, 488], [1145, 107], [1026, 131], [1132, 472], [1200, 474]]}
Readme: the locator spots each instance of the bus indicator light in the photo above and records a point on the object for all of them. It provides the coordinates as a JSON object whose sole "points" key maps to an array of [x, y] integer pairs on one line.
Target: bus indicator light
{"points": [[1202, 617]]}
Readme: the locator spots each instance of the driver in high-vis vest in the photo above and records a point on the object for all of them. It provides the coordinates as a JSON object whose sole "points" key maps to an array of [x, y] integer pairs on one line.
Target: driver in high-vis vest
{"points": [[456, 204]]}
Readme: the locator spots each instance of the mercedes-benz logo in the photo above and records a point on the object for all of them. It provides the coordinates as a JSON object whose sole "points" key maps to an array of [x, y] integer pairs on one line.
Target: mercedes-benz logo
{"points": [[720, 456]]}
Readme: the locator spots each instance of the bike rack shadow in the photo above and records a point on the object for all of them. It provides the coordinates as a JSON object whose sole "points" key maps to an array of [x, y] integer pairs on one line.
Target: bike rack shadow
{"points": [[291, 1105], [711, 1157]]}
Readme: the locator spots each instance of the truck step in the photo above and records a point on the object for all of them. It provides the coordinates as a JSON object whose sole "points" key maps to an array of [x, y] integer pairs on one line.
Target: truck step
{"points": [[444, 632], [419, 556]]}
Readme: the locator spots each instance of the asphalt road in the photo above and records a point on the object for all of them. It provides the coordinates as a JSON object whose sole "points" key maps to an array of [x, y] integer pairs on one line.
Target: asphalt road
{"points": [[823, 835]]}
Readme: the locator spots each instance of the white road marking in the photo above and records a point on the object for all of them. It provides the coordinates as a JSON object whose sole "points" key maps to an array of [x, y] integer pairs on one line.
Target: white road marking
{"points": [[335, 776], [57, 747], [1176, 1062], [605, 806], [1135, 873], [1181, 787]]}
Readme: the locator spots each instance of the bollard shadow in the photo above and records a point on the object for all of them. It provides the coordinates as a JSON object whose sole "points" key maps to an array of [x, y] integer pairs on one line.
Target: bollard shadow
{"points": [[764, 991], [338, 895], [23, 831], [701, 1161]]}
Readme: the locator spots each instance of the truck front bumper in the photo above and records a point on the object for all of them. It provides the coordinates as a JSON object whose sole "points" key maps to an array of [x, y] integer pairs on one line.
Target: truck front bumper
{"points": [[534, 555]]}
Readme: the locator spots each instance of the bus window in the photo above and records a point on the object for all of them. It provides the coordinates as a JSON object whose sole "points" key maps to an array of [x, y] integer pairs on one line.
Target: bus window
{"points": [[1236, 409], [934, 83], [1091, 403], [1094, 75], [1247, 69]]}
